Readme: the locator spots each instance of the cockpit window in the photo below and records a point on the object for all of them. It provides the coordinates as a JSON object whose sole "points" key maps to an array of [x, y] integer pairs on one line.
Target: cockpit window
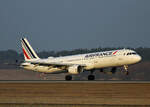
{"points": [[131, 53], [134, 53]]}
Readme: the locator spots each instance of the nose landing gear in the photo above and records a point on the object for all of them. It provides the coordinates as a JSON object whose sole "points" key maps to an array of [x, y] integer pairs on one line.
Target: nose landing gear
{"points": [[126, 69]]}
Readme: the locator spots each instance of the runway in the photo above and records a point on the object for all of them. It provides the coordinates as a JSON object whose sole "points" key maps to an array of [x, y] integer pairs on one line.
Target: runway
{"points": [[62, 81], [79, 93]]}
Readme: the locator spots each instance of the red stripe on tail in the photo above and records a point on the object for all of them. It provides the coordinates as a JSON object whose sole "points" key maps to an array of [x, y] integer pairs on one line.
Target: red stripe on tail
{"points": [[25, 54], [115, 52]]}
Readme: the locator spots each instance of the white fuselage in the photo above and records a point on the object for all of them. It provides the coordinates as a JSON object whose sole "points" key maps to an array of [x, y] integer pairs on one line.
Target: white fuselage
{"points": [[91, 61]]}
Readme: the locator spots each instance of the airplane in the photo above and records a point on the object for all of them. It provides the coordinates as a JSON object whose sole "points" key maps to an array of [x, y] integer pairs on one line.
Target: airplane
{"points": [[76, 64]]}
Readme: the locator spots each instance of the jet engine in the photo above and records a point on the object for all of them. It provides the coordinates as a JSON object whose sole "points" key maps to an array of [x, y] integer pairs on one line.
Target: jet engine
{"points": [[75, 69]]}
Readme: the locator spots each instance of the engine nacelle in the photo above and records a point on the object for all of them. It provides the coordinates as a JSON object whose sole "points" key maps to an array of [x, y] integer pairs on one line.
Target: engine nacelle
{"points": [[75, 69]]}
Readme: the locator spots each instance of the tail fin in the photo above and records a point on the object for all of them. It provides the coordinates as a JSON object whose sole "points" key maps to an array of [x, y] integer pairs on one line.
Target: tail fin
{"points": [[28, 51]]}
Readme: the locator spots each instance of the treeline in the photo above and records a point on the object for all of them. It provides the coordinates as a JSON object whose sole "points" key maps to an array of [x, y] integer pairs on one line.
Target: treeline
{"points": [[12, 56]]}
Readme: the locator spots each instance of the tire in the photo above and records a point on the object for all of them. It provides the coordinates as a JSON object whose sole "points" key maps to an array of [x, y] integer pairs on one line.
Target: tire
{"points": [[127, 72], [68, 77], [91, 77]]}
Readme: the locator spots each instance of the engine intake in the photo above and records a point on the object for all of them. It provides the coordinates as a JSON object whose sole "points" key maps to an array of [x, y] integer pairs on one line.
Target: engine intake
{"points": [[75, 69]]}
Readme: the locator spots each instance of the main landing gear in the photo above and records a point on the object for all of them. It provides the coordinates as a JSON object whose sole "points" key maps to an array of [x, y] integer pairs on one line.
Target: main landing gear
{"points": [[91, 76], [68, 77]]}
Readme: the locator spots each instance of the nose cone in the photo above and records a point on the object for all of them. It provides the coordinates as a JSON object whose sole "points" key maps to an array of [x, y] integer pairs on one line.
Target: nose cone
{"points": [[138, 58]]}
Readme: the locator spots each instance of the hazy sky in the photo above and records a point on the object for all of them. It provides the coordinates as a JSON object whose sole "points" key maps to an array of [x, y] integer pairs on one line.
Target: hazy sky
{"points": [[70, 24]]}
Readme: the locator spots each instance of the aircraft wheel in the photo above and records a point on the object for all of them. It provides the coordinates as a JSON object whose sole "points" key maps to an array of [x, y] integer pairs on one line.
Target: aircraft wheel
{"points": [[68, 78], [91, 77], [127, 72], [101, 70]]}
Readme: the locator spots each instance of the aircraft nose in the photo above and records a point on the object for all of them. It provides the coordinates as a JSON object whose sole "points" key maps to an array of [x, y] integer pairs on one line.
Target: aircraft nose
{"points": [[139, 58]]}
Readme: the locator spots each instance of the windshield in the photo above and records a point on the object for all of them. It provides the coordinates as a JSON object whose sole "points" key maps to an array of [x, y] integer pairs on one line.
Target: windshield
{"points": [[132, 53]]}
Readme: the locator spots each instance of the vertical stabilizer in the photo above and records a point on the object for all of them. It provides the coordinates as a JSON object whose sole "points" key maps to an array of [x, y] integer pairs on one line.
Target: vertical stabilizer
{"points": [[28, 51]]}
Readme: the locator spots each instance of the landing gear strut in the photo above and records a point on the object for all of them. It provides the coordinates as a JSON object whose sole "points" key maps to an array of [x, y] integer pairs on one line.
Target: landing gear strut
{"points": [[126, 69], [68, 77]]}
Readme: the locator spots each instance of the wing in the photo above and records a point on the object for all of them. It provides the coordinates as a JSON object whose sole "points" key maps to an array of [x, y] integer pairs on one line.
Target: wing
{"points": [[54, 64]]}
